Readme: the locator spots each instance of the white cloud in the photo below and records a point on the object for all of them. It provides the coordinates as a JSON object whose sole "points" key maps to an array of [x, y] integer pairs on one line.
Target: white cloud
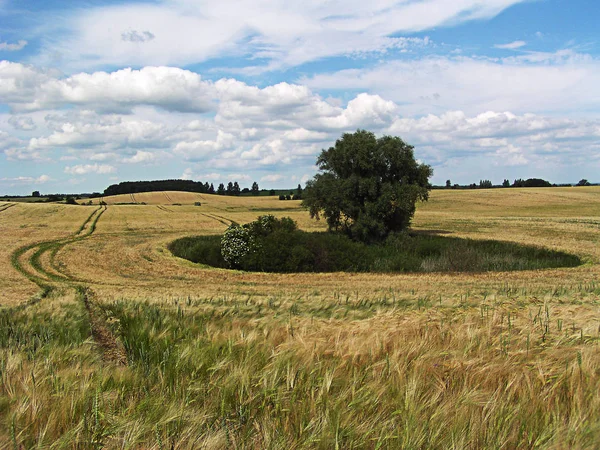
{"points": [[26, 88], [512, 45], [8, 47], [560, 82], [141, 157], [196, 150], [503, 139], [89, 168], [42, 179], [283, 33]]}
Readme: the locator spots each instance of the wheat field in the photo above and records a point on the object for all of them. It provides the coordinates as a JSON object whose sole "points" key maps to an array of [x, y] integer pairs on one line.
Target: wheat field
{"points": [[109, 341]]}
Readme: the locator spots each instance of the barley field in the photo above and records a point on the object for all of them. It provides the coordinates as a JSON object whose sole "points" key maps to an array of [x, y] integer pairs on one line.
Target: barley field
{"points": [[109, 341]]}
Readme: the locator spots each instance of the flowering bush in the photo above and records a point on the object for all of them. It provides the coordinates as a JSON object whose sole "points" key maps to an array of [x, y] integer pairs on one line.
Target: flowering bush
{"points": [[235, 244], [243, 242]]}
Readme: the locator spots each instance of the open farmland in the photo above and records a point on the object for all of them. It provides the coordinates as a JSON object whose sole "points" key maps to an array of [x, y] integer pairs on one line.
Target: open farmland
{"points": [[109, 341]]}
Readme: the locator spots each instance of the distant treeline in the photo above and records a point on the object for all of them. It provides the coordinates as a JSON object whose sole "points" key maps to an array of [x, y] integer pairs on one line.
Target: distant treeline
{"points": [[232, 188], [530, 182], [135, 187]]}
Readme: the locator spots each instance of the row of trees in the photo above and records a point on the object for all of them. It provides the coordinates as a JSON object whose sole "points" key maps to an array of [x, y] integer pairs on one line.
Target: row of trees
{"points": [[530, 182], [136, 187]]}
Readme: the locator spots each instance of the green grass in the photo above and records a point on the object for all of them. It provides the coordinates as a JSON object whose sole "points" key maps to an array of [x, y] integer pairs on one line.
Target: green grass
{"points": [[327, 252], [203, 377]]}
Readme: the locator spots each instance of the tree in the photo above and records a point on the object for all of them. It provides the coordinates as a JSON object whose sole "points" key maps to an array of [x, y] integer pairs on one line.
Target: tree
{"points": [[367, 187], [583, 182], [485, 184], [448, 184], [236, 189], [506, 183], [35, 194], [254, 189], [221, 189], [299, 190], [229, 190], [211, 189]]}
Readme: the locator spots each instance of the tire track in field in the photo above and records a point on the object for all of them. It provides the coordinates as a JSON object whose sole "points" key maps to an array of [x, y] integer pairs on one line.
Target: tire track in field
{"points": [[112, 349], [218, 218], [5, 207], [168, 198], [35, 271], [165, 209], [133, 198]]}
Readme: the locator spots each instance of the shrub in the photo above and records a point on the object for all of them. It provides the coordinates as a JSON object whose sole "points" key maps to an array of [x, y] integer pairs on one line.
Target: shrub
{"points": [[276, 245]]}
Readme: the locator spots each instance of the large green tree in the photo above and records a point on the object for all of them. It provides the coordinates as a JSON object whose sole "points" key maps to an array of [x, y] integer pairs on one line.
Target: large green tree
{"points": [[367, 187]]}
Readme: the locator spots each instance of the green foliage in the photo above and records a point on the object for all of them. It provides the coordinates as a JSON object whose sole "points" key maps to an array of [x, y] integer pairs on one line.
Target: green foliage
{"points": [[367, 187], [199, 249], [241, 243], [531, 182], [275, 245]]}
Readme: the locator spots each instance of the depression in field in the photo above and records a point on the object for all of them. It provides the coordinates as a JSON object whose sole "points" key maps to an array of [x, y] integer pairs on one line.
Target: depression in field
{"points": [[309, 225]]}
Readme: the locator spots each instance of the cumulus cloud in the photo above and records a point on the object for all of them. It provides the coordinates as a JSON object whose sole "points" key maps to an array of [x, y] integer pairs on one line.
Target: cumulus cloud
{"points": [[282, 33], [503, 139], [512, 45], [83, 169], [8, 47], [26, 88], [282, 127]]}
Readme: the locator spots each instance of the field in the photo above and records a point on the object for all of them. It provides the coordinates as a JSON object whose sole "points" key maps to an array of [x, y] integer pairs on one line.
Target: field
{"points": [[109, 341]]}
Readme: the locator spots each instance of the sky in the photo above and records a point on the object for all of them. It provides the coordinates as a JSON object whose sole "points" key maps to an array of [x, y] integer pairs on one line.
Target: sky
{"points": [[95, 92]]}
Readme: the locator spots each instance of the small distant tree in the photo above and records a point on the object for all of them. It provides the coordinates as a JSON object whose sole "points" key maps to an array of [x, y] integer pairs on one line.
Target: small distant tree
{"points": [[299, 190], [229, 190], [70, 201], [35, 194], [221, 189], [448, 184], [506, 183], [583, 182], [485, 184], [235, 190], [254, 189], [367, 187], [211, 189]]}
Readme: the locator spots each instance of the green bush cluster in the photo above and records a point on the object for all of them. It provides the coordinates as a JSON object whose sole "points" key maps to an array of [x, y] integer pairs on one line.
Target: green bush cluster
{"points": [[276, 245]]}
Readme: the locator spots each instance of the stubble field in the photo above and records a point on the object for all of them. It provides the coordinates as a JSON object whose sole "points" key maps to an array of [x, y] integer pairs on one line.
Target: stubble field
{"points": [[108, 341]]}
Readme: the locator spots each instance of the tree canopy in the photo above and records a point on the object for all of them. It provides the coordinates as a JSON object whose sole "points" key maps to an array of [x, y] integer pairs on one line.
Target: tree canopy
{"points": [[367, 187]]}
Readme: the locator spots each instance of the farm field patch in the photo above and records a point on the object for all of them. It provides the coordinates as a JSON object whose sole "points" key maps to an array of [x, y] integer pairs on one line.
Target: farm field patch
{"points": [[124, 342]]}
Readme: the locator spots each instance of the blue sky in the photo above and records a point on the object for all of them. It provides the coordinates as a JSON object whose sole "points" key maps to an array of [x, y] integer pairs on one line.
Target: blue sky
{"points": [[245, 90]]}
